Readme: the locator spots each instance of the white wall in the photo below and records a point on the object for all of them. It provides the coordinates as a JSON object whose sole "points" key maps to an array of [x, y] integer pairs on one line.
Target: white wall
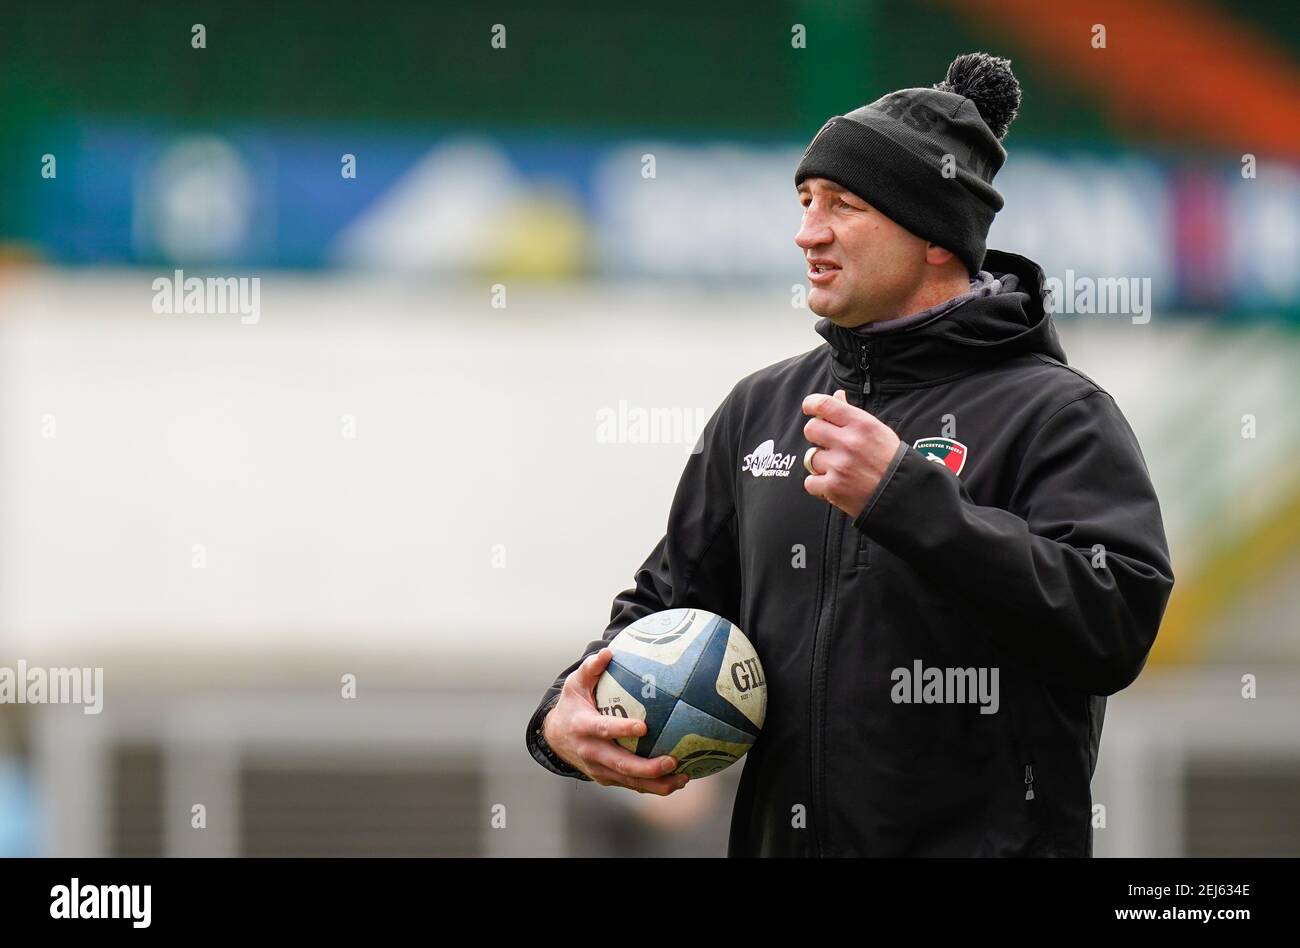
{"points": [[475, 427]]}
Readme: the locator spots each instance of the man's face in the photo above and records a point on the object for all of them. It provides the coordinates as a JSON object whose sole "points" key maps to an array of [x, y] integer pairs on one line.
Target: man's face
{"points": [[873, 265]]}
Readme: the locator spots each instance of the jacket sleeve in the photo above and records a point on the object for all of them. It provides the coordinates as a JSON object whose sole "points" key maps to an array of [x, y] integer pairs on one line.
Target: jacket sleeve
{"points": [[1071, 579], [696, 563]]}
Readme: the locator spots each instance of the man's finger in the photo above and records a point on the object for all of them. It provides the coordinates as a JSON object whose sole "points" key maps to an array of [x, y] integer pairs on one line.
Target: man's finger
{"points": [[592, 667], [622, 761], [835, 410], [608, 727], [820, 432], [662, 786], [817, 485]]}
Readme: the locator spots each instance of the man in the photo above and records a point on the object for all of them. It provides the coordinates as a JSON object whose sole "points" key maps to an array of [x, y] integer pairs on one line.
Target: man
{"points": [[976, 557]]}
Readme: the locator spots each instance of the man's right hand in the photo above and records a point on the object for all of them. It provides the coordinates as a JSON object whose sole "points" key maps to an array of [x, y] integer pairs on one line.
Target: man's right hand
{"points": [[584, 737]]}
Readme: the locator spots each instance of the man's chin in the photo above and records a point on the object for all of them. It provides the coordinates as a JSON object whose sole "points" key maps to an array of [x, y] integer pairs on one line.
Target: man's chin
{"points": [[833, 308], [823, 304]]}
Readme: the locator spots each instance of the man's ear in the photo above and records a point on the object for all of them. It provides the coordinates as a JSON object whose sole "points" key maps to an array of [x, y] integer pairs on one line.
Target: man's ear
{"points": [[937, 255]]}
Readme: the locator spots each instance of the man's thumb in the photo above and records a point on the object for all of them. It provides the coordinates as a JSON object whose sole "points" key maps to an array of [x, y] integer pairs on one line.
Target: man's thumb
{"points": [[593, 666], [839, 393]]}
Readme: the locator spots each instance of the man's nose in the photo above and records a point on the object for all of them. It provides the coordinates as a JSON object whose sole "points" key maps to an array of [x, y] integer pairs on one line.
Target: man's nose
{"points": [[812, 232]]}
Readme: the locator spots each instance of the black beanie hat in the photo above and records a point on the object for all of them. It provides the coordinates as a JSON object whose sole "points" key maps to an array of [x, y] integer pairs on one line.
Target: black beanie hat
{"points": [[926, 157]]}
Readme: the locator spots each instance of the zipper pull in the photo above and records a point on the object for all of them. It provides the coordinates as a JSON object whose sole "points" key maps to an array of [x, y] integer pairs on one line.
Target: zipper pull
{"points": [[865, 366], [1029, 781]]}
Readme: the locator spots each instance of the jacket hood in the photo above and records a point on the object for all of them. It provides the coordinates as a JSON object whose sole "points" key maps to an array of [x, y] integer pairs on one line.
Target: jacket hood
{"points": [[952, 339]]}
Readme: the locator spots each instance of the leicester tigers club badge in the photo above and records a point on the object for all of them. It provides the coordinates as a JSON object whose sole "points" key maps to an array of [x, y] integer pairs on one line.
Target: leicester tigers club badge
{"points": [[951, 454]]}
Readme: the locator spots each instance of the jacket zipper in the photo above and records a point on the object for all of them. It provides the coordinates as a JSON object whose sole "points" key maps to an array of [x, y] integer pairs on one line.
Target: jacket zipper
{"points": [[864, 363], [817, 709]]}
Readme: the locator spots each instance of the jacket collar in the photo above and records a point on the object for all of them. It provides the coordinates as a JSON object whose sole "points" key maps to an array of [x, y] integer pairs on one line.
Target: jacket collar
{"points": [[954, 340]]}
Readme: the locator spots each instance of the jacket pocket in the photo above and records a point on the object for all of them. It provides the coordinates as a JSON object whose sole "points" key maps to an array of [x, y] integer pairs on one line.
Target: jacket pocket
{"points": [[862, 556], [1020, 696], [1022, 735], [1029, 780]]}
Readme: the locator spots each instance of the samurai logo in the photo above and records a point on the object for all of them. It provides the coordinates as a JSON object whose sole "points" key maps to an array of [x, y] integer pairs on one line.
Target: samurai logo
{"points": [[766, 461], [951, 454]]}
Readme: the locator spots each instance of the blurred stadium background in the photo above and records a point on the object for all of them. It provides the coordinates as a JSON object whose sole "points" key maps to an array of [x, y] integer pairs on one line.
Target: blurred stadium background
{"points": [[391, 477]]}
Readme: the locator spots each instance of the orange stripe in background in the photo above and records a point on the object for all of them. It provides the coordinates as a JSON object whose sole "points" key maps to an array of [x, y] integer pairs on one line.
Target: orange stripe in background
{"points": [[1185, 68]]}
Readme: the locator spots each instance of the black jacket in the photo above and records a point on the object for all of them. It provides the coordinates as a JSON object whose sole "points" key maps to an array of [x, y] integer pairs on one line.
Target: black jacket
{"points": [[1043, 557]]}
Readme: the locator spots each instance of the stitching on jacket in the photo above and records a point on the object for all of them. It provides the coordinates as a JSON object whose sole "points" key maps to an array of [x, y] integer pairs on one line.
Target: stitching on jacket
{"points": [[1048, 360], [1020, 462], [732, 514], [1092, 764], [689, 576]]}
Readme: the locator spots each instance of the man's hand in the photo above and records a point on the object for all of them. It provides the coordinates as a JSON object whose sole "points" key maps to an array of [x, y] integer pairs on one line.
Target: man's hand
{"points": [[585, 738], [856, 448]]}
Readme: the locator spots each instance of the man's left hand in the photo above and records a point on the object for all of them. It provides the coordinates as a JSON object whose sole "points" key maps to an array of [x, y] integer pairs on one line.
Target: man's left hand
{"points": [[855, 450]]}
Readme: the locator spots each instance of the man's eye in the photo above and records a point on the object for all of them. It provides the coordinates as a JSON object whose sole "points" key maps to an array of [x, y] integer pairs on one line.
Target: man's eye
{"points": [[848, 205]]}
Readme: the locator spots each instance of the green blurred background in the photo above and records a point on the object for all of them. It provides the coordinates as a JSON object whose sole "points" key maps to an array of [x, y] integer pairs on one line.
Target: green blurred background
{"points": [[383, 469]]}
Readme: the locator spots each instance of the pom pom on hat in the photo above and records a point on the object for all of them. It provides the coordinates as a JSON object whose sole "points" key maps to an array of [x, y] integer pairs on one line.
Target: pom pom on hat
{"points": [[988, 82]]}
